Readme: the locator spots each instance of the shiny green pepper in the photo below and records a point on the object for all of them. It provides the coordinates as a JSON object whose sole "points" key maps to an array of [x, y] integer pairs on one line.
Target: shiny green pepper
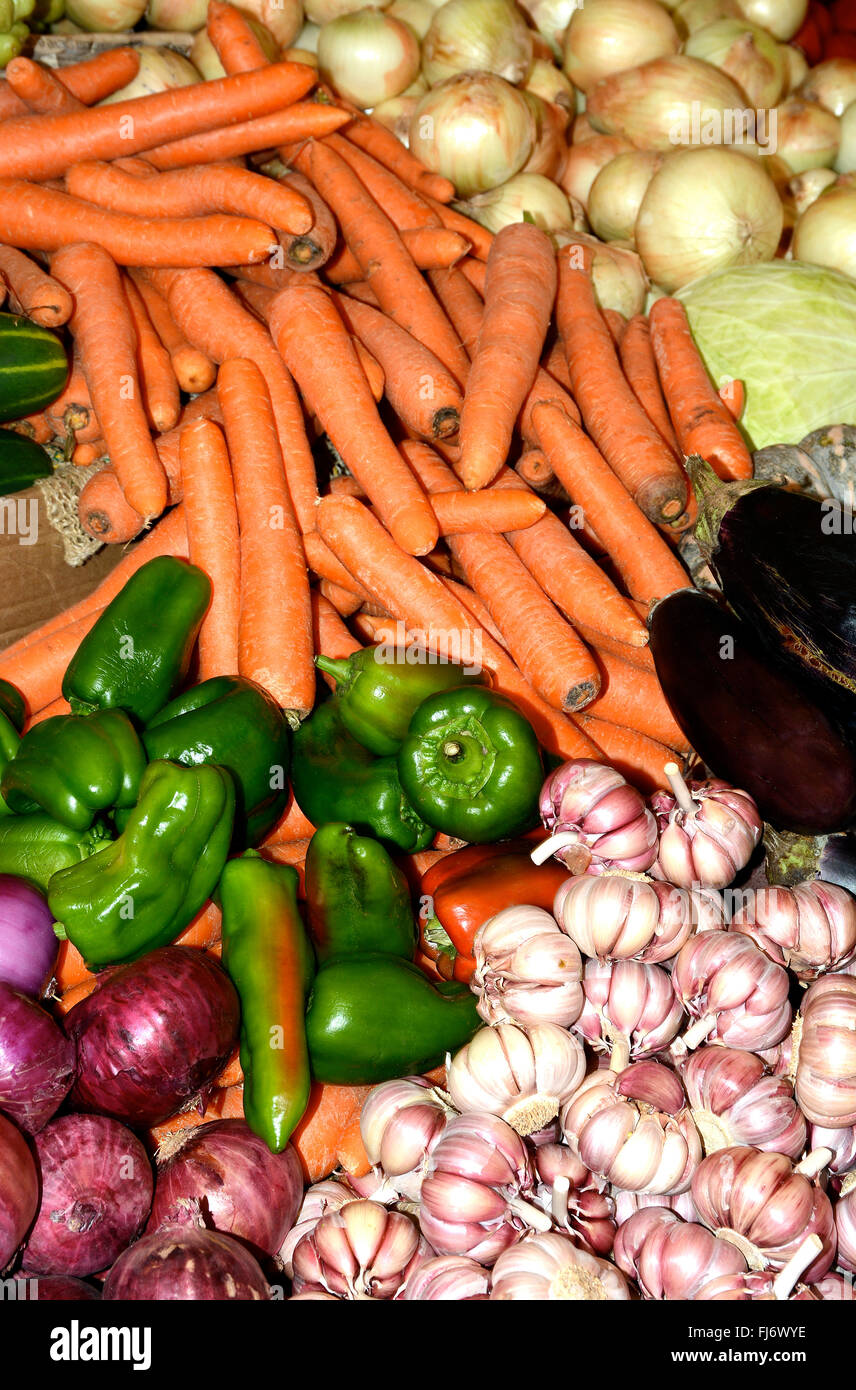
{"points": [[357, 899], [37, 847], [472, 767], [73, 766]]}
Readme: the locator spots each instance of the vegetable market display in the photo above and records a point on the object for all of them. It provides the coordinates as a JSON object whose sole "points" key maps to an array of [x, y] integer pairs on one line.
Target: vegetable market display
{"points": [[426, 860]]}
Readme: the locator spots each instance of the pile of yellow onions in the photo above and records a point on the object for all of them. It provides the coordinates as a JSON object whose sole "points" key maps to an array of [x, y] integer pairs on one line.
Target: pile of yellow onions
{"points": [[608, 36]]}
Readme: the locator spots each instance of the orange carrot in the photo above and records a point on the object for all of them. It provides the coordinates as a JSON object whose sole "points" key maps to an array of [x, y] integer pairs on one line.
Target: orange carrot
{"points": [[104, 511], [84, 454], [403, 205], [640, 368], [315, 247], [212, 539], [235, 44], [636, 757], [161, 396], [616, 323], [476, 272], [535, 469], [90, 81], [70, 969], [275, 631], [490, 511], [613, 417], [38, 669], [35, 427], [387, 149], [231, 1074], [41, 147], [331, 636], [344, 601], [32, 291], [732, 393], [73, 996], [345, 484], [291, 852], [478, 236], [50, 711], [72, 413], [328, 1136], [520, 288], [556, 364], [703, 423], [203, 931], [634, 699], [292, 824], [39, 88], [194, 372], [647, 566], [602, 643], [314, 342], [431, 248], [210, 188], [372, 370], [104, 333], [476, 606], [302, 121]]}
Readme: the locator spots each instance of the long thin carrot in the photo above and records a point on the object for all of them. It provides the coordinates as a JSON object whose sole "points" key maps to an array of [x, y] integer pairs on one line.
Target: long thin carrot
{"points": [[423, 394], [616, 323], [32, 291], [703, 423], [50, 711], [403, 205], [631, 445], [331, 636], [315, 247], [476, 272], [387, 265], [104, 334], [211, 518], [275, 631], [38, 669], [520, 289], [387, 149], [479, 237], [647, 566], [303, 121], [314, 342], [638, 758], [43, 219], [634, 699], [39, 88], [602, 643], [191, 193], [161, 396], [72, 413], [194, 371], [476, 606], [344, 601], [430, 248], [489, 511], [90, 81], [236, 45], [41, 147], [640, 368]]}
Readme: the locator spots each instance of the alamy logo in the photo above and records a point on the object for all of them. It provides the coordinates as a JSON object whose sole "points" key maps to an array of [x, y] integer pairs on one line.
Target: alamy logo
{"points": [[76, 1343], [19, 516]]}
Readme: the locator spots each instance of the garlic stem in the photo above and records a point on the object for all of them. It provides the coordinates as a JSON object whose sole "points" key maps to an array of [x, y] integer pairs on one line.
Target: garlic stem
{"points": [[559, 1199], [620, 1057], [814, 1163], [783, 1284], [680, 790], [698, 1031], [541, 853], [532, 1215]]}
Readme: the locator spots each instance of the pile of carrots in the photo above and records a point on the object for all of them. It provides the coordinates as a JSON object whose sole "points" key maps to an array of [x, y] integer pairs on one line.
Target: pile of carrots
{"points": [[280, 258]]}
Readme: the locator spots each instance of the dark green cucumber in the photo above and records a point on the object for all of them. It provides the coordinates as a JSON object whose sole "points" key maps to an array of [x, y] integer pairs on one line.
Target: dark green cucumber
{"points": [[22, 461], [33, 367]]}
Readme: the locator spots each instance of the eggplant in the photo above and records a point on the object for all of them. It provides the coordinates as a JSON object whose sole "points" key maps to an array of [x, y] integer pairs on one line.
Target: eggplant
{"points": [[790, 859], [786, 564], [748, 719]]}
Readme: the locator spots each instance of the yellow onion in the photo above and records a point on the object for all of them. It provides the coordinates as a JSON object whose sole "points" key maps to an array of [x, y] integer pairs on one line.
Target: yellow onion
{"points": [[551, 19], [609, 36], [282, 18], [831, 84], [749, 55], [796, 67], [309, 34], [322, 11], [706, 210], [585, 162], [205, 57], [583, 129], [550, 1266], [160, 70], [845, 160], [368, 56], [618, 275], [806, 136], [551, 148], [475, 129], [804, 189], [522, 1074], [105, 16], [186, 16], [360, 1251], [826, 232], [736, 994], [417, 13], [670, 1258], [617, 192], [526, 969], [733, 1100], [826, 1052], [546, 81], [781, 17], [397, 113], [532, 194], [691, 15], [477, 36], [671, 101]]}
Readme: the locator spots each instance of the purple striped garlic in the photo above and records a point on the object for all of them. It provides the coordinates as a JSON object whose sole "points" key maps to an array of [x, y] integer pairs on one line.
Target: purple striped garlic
{"points": [[596, 819], [627, 917], [630, 1009], [526, 969], [548, 1266], [810, 929], [362, 1251], [733, 1101], [708, 832], [524, 1075], [732, 990], [672, 1259]]}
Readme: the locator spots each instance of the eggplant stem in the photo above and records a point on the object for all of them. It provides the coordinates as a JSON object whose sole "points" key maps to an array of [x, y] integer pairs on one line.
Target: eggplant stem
{"points": [[680, 790], [783, 1284]]}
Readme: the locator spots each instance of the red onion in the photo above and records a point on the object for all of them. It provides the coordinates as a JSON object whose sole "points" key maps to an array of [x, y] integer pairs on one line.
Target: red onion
{"points": [[618, 917], [670, 1258], [733, 1101], [598, 821], [152, 1034], [630, 1009], [810, 929], [826, 1056], [546, 1266], [453, 1278], [765, 1207], [96, 1193], [19, 1190], [574, 1198], [28, 943], [708, 832], [737, 994], [186, 1263], [36, 1061], [57, 1288], [845, 1225], [243, 1189], [361, 1251]]}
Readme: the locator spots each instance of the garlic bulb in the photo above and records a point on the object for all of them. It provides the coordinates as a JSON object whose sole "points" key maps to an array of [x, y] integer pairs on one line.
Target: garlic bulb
{"points": [[477, 36], [618, 917], [526, 969], [734, 1101], [400, 1123], [549, 1266], [608, 36], [574, 1198], [845, 1226], [670, 1258], [734, 992], [361, 1251], [318, 1200], [810, 928], [630, 1009], [841, 1144], [708, 831], [826, 1056], [633, 1129], [764, 1206], [523, 1075], [598, 821], [627, 1203], [447, 1278]]}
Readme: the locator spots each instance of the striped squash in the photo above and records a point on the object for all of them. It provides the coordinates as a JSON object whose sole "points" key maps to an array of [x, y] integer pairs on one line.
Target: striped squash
{"points": [[33, 367], [22, 461]]}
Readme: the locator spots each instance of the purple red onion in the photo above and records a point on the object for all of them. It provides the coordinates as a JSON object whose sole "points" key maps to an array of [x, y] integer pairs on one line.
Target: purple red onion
{"points": [[19, 1190], [36, 1061], [57, 1288], [28, 943], [186, 1263]]}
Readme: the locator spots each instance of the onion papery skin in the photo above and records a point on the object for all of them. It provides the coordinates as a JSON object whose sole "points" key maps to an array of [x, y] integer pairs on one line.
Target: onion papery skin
{"points": [[37, 1061], [28, 943], [19, 1190], [186, 1264]]}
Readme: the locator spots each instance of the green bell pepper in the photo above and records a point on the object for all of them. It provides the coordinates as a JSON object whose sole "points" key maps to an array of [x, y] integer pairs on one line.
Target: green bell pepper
{"points": [[336, 779], [269, 959], [472, 767], [37, 847], [235, 723], [9, 744], [147, 886], [13, 705], [138, 652], [375, 1017], [379, 694], [357, 899], [74, 766]]}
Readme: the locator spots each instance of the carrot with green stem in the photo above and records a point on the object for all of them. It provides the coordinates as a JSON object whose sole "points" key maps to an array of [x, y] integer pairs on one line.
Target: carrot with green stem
{"points": [[234, 42], [613, 417], [105, 338], [39, 88], [211, 518], [275, 646], [520, 290], [304, 120], [640, 368], [703, 423], [32, 291], [647, 566], [161, 396], [90, 81], [316, 347], [194, 371]]}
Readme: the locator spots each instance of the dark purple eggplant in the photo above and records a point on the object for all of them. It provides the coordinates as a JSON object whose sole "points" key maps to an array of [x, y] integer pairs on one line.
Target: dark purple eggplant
{"points": [[748, 719], [786, 564]]}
